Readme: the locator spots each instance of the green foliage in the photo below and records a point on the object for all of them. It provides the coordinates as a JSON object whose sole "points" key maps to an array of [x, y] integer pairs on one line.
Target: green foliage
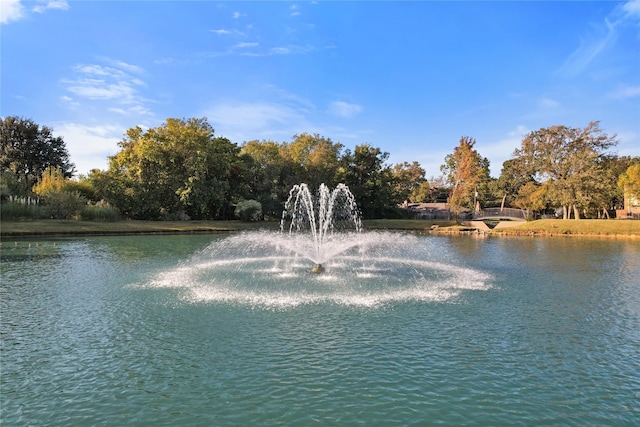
{"points": [[179, 168], [569, 162], [409, 179], [26, 151], [99, 213], [370, 180], [63, 204], [630, 181], [249, 210], [12, 211], [52, 180]]}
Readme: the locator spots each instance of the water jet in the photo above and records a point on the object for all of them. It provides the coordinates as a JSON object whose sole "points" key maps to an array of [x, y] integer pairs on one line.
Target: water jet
{"points": [[320, 234]]}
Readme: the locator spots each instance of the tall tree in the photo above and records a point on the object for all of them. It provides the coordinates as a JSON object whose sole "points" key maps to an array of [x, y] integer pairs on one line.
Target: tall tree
{"points": [[512, 178], [468, 174], [409, 179], [629, 183], [26, 150], [370, 180], [178, 168], [568, 161], [315, 159], [266, 175]]}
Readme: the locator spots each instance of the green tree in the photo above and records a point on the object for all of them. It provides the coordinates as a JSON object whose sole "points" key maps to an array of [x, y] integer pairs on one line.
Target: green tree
{"points": [[568, 161], [52, 180], [370, 180], [57, 194], [266, 175], [249, 210], [315, 159], [176, 170], [512, 178], [409, 178], [629, 183], [531, 197], [26, 150], [468, 174]]}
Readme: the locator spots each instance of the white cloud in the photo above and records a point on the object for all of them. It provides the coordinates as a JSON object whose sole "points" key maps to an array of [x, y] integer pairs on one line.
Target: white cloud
{"points": [[625, 92], [114, 84], [588, 50], [225, 32], [89, 146], [632, 9], [11, 10], [245, 45], [14, 10], [51, 4], [603, 37], [344, 109], [548, 103], [240, 121], [501, 150]]}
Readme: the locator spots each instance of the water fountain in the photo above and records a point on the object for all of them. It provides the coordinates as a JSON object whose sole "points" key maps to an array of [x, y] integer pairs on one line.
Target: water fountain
{"points": [[316, 220], [320, 254]]}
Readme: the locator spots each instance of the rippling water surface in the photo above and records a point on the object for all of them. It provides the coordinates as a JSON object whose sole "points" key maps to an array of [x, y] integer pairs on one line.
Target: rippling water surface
{"points": [[175, 330]]}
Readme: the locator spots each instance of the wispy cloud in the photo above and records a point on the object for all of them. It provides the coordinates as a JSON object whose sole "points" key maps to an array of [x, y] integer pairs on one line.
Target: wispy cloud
{"points": [[344, 109], [601, 38], [51, 4], [245, 45], [116, 83], [501, 150], [632, 9], [15, 10], [548, 103], [225, 32], [625, 92], [89, 146], [244, 121]]}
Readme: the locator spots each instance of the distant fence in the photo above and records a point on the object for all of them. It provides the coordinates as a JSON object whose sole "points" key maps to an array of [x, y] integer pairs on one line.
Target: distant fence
{"points": [[502, 213]]}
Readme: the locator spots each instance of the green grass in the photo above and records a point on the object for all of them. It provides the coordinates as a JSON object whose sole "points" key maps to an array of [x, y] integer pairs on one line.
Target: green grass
{"points": [[584, 227], [52, 227], [546, 227], [405, 224]]}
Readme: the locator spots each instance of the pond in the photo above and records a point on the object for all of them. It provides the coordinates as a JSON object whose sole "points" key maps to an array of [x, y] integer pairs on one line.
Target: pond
{"points": [[181, 330]]}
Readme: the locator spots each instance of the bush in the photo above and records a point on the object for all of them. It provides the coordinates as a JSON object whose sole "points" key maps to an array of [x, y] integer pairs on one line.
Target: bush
{"points": [[249, 210], [99, 213], [63, 205], [16, 211]]}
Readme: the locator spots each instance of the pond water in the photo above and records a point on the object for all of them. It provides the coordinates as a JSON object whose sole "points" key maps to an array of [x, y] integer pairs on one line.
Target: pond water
{"points": [[167, 330]]}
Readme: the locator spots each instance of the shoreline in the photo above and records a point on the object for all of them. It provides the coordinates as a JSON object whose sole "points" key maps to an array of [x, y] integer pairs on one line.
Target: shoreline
{"points": [[612, 228]]}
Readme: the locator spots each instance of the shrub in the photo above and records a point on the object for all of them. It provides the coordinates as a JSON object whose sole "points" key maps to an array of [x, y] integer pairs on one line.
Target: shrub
{"points": [[63, 205], [99, 213], [16, 211], [249, 210]]}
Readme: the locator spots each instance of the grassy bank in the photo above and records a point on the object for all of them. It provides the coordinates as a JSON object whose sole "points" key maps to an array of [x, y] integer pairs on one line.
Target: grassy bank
{"points": [[37, 228], [52, 227], [585, 227]]}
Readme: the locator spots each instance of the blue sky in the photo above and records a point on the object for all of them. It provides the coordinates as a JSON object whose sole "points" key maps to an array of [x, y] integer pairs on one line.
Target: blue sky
{"points": [[409, 77]]}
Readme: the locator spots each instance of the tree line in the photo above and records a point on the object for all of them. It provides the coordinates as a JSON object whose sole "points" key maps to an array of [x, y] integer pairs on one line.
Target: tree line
{"points": [[183, 170]]}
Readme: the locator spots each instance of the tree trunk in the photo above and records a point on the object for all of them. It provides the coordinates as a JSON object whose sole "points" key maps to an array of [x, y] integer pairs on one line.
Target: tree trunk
{"points": [[504, 199], [576, 212], [565, 212], [605, 213]]}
